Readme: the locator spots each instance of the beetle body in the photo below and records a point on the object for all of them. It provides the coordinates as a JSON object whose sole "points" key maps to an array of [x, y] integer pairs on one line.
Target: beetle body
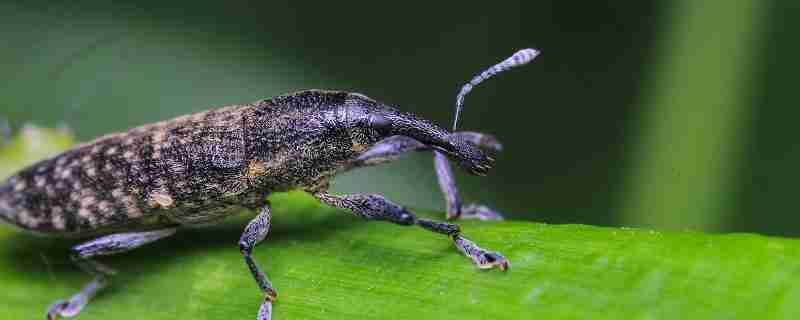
{"points": [[133, 188], [195, 169]]}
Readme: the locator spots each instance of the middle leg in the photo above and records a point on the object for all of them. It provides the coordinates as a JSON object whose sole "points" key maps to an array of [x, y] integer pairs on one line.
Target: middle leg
{"points": [[376, 207]]}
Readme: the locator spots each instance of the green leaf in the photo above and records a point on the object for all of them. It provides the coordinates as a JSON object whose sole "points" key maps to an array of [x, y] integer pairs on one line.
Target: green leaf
{"points": [[327, 264]]}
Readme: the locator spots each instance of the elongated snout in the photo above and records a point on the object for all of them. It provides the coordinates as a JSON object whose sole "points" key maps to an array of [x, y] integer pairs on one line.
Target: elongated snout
{"points": [[468, 156]]}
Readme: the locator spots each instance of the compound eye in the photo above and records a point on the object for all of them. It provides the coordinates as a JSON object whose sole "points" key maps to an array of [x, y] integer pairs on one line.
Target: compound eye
{"points": [[380, 123]]}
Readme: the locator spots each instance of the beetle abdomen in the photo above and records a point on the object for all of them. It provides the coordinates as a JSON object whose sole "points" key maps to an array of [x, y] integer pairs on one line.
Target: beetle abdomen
{"points": [[88, 188], [140, 177]]}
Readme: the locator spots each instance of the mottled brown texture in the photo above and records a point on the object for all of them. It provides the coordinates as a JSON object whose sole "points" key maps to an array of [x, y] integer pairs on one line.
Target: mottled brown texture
{"points": [[195, 169]]}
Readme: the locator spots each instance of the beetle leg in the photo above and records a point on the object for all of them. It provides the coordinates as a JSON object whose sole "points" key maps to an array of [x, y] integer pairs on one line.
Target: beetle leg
{"points": [[455, 209], [376, 207], [103, 246], [254, 233], [389, 149], [482, 258], [392, 148], [447, 183]]}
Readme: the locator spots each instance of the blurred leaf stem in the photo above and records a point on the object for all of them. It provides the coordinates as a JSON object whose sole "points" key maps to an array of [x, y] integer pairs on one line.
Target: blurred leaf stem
{"points": [[696, 114]]}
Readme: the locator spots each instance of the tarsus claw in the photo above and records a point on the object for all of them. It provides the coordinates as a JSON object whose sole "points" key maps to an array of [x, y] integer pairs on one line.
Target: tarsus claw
{"points": [[55, 309], [495, 259], [482, 258]]}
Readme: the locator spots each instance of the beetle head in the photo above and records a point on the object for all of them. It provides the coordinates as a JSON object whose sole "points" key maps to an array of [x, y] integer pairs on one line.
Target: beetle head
{"points": [[370, 122]]}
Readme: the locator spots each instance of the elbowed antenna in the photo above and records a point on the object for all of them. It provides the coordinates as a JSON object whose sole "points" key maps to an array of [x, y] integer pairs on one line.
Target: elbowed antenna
{"points": [[519, 58]]}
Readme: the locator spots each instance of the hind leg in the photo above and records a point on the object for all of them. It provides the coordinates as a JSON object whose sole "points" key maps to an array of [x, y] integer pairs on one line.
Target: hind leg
{"points": [[392, 148], [82, 256]]}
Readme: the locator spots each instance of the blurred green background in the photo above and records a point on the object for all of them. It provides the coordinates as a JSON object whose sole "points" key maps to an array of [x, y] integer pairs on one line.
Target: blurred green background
{"points": [[665, 114]]}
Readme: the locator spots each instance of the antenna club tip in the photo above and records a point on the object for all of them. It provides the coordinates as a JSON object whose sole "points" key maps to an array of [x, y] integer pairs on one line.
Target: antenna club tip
{"points": [[525, 55], [519, 58]]}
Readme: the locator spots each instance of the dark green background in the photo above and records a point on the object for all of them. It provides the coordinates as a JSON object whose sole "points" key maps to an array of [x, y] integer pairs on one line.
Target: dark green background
{"points": [[592, 128]]}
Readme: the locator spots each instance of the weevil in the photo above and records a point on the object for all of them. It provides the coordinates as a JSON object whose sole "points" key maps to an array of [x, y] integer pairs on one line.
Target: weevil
{"points": [[125, 190]]}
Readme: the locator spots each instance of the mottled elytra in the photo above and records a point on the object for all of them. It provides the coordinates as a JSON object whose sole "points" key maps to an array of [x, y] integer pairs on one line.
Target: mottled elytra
{"points": [[129, 189]]}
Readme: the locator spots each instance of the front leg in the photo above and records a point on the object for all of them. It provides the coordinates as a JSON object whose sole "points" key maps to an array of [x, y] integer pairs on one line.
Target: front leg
{"points": [[389, 149], [376, 207], [447, 183], [254, 233], [455, 209]]}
